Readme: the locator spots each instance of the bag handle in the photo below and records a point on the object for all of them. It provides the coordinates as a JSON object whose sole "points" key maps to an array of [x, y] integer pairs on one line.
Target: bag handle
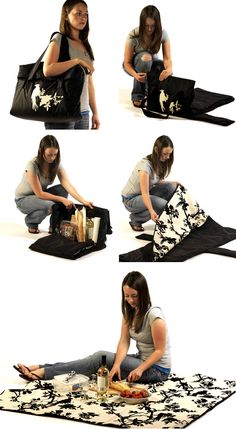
{"points": [[63, 49]]}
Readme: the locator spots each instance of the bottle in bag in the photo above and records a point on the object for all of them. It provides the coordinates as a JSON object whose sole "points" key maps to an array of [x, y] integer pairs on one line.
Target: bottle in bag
{"points": [[102, 380], [89, 229]]}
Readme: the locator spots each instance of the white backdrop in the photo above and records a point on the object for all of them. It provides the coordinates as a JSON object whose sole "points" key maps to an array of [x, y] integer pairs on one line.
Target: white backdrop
{"points": [[53, 309]]}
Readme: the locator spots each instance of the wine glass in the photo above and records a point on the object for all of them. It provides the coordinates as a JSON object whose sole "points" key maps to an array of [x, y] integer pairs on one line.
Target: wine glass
{"points": [[84, 390]]}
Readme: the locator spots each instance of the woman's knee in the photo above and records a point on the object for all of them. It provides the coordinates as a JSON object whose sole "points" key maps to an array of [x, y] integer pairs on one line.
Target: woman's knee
{"points": [[97, 358], [143, 62]]}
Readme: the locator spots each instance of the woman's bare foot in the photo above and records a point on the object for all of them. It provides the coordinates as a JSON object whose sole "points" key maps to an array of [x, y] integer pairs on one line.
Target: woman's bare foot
{"points": [[32, 372]]}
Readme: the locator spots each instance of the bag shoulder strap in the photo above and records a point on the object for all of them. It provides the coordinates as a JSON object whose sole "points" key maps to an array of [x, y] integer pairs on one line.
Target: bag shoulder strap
{"points": [[63, 56]]}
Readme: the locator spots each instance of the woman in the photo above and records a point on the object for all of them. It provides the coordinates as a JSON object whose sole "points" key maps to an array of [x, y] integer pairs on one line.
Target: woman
{"points": [[146, 193], [75, 25], [141, 322], [141, 52], [33, 197]]}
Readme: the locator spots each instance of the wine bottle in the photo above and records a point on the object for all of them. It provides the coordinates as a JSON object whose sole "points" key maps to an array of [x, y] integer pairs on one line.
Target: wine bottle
{"points": [[102, 380], [89, 229]]}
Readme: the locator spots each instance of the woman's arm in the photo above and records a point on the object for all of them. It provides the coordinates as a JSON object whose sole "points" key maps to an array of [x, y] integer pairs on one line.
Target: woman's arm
{"points": [[62, 176], [167, 61], [35, 184], [93, 104], [122, 349], [144, 186], [128, 64], [52, 67], [158, 330]]}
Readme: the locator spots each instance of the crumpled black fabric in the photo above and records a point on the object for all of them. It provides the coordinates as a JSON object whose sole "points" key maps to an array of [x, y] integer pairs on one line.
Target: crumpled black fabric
{"points": [[56, 245]]}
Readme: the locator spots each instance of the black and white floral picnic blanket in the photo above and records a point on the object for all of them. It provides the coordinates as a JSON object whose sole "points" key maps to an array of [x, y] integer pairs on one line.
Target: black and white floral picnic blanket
{"points": [[181, 215], [175, 403]]}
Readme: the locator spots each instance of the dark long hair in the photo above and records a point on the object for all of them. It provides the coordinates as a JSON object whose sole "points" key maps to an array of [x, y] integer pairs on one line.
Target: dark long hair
{"points": [[47, 142], [161, 168], [65, 26], [151, 12], [137, 281]]}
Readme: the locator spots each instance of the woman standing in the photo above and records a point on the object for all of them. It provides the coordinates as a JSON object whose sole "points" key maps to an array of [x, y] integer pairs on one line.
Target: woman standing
{"points": [[75, 25], [33, 195], [141, 52], [146, 193], [142, 322]]}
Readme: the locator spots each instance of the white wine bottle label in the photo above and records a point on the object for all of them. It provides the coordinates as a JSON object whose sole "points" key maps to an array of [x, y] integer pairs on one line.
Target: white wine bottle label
{"points": [[102, 384]]}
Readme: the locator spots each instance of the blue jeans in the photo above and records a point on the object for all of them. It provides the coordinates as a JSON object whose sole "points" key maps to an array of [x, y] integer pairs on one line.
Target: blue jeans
{"points": [[159, 195], [36, 209], [81, 124], [90, 364], [141, 66]]}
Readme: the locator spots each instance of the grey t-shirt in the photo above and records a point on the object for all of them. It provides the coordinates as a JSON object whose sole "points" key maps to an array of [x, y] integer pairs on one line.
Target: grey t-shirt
{"points": [[144, 341], [135, 44], [74, 53], [132, 186], [24, 189]]}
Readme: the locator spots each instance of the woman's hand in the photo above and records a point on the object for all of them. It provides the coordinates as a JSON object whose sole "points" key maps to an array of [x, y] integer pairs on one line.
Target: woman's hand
{"points": [[87, 65], [67, 203], [154, 216], [88, 204], [141, 77], [135, 374], [95, 122], [165, 74], [115, 370]]}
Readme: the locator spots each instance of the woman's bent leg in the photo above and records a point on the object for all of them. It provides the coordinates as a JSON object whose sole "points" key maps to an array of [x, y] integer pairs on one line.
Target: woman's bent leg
{"points": [[58, 190], [137, 209], [142, 64], [35, 208]]}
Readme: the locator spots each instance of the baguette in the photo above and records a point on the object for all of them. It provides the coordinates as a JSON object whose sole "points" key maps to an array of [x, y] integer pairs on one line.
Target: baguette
{"points": [[119, 386]]}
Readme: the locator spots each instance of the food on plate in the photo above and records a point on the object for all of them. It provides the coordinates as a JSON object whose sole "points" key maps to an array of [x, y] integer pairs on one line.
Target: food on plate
{"points": [[127, 391], [134, 394]]}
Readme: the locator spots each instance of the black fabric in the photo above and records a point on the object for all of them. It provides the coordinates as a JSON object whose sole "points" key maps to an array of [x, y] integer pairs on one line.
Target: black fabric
{"points": [[181, 99], [48, 99], [56, 245], [205, 239]]}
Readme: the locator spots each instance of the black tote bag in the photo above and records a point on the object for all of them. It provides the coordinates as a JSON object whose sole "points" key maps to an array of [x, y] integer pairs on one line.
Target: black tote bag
{"points": [[172, 96], [48, 99]]}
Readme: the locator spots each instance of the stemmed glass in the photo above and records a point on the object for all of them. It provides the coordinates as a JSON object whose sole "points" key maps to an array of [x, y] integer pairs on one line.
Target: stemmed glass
{"points": [[88, 385]]}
